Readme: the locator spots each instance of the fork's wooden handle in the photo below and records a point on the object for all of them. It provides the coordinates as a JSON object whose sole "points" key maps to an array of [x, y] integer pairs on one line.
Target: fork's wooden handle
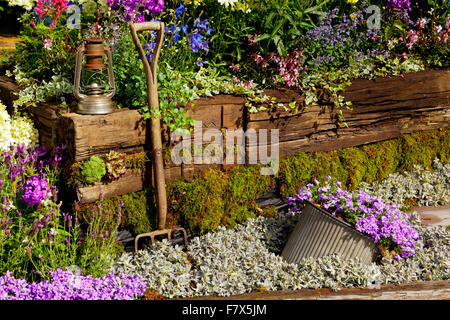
{"points": [[153, 102]]}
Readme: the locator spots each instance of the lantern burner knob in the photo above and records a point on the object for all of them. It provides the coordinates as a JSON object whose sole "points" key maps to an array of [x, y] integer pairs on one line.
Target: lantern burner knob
{"points": [[94, 89]]}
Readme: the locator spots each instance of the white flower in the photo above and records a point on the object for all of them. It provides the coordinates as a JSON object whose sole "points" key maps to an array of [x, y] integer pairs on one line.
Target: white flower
{"points": [[16, 130], [47, 44], [10, 206], [23, 131], [5, 128], [27, 4], [227, 3]]}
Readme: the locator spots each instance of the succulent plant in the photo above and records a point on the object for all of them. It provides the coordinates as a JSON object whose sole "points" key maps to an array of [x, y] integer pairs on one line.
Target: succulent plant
{"points": [[92, 171], [115, 165]]}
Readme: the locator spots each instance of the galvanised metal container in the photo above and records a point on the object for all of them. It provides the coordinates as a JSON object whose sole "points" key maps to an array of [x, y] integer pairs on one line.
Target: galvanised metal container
{"points": [[318, 234]]}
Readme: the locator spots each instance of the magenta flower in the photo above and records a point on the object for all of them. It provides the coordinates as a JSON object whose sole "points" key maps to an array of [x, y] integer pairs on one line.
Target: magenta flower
{"points": [[35, 190], [381, 221]]}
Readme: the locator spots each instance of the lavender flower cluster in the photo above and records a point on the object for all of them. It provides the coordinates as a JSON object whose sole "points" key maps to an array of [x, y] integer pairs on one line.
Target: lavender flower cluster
{"points": [[137, 10], [402, 5], [19, 159], [66, 285], [370, 215], [344, 36], [35, 190]]}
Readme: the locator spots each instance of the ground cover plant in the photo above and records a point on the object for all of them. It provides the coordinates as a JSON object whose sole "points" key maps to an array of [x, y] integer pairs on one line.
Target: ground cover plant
{"points": [[246, 258]]}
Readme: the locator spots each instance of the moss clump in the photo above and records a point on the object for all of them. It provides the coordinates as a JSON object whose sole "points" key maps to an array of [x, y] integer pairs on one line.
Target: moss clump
{"points": [[215, 198], [422, 147], [137, 209]]}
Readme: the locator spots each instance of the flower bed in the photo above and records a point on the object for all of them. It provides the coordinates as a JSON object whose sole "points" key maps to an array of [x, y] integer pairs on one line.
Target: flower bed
{"points": [[243, 259], [65, 285]]}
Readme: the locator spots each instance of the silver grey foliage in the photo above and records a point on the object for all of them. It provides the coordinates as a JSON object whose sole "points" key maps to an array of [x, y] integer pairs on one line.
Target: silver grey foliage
{"points": [[427, 187], [246, 257]]}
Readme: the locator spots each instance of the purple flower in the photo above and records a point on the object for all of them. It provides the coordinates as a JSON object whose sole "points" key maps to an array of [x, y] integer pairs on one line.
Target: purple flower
{"points": [[136, 10], [180, 10], [65, 285], [35, 190], [402, 5], [381, 221]]}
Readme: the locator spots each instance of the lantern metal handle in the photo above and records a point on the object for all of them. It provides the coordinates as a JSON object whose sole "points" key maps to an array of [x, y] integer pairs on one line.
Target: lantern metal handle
{"points": [[110, 73], [76, 86], [153, 102]]}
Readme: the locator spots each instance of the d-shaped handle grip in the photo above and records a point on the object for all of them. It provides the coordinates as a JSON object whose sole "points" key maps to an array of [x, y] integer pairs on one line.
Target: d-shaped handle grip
{"points": [[143, 26], [150, 68]]}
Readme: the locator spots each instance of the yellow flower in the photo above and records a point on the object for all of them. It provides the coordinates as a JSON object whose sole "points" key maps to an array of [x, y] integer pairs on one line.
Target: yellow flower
{"points": [[352, 2], [23, 131]]}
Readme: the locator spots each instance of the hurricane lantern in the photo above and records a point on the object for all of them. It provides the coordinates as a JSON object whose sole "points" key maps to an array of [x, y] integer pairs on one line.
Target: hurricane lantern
{"points": [[95, 99]]}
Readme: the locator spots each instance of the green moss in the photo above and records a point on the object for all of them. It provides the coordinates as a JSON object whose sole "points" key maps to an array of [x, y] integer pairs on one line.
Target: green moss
{"points": [[420, 148], [201, 202], [295, 172], [246, 184], [355, 162], [215, 198], [369, 163]]}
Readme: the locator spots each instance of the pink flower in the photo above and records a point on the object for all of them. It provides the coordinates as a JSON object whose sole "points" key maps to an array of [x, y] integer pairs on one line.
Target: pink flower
{"points": [[48, 44], [235, 67], [412, 36], [251, 40], [421, 23], [437, 28], [405, 55]]}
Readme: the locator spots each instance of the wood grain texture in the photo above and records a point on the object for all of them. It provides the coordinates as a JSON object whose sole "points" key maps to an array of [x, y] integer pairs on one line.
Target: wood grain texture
{"points": [[383, 108], [88, 135], [421, 290], [131, 181]]}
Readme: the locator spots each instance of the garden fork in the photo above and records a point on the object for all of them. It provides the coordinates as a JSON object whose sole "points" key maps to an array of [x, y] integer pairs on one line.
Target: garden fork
{"points": [[155, 128]]}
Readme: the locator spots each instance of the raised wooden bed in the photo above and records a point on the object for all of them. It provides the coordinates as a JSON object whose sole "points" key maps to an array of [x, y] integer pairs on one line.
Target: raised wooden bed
{"points": [[131, 181], [384, 108]]}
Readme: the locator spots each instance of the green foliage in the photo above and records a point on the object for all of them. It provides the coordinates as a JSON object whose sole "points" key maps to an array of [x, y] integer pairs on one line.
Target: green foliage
{"points": [[40, 62], [173, 90], [92, 171], [285, 21]]}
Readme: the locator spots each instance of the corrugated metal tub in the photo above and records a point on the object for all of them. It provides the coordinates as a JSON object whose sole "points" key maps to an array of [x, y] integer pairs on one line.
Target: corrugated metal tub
{"points": [[318, 234]]}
